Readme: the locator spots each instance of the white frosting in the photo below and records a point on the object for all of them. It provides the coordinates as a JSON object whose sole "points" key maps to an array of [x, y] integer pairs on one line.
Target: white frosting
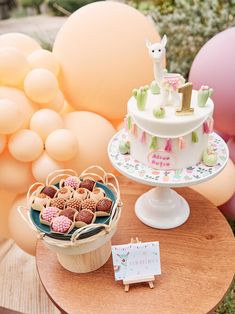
{"points": [[172, 125]]}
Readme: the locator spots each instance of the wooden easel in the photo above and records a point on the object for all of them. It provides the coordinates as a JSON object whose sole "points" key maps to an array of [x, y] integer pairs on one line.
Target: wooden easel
{"points": [[149, 279]]}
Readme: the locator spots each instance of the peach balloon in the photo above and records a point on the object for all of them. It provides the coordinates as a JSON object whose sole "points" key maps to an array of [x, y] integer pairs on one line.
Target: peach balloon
{"points": [[15, 175], [19, 98], [25, 145], [6, 199], [56, 104], [93, 133], [3, 142], [45, 165], [41, 86], [45, 121], [221, 188], [61, 145], [66, 109], [20, 41], [11, 117], [13, 66], [24, 236], [44, 59], [102, 54]]}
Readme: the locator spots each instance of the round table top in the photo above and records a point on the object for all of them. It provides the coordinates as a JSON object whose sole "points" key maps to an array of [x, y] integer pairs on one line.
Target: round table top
{"points": [[197, 260]]}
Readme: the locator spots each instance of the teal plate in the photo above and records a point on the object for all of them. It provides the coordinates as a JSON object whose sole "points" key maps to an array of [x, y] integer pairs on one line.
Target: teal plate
{"points": [[34, 215]]}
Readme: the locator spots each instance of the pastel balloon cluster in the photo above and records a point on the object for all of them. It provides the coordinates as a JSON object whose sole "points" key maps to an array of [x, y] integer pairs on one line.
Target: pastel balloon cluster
{"points": [[40, 131], [217, 54]]}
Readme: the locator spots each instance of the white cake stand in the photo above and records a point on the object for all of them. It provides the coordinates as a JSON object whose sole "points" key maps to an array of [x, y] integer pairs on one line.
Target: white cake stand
{"points": [[161, 207]]}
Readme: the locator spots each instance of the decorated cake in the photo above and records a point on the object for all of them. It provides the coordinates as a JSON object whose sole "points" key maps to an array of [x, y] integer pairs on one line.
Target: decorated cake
{"points": [[168, 123]]}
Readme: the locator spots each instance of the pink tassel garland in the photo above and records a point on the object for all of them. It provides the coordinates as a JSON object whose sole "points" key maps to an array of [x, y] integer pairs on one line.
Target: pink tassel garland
{"points": [[211, 125], [168, 146], [206, 127], [143, 137], [181, 143]]}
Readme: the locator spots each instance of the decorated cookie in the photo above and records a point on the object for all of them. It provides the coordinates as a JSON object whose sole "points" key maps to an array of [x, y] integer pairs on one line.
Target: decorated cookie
{"points": [[49, 191], [84, 217], [61, 224], [58, 202], [97, 194], [88, 204], [42, 198], [72, 181], [47, 214], [104, 206], [87, 184], [74, 203], [65, 192], [81, 193], [209, 157], [124, 147], [68, 212]]}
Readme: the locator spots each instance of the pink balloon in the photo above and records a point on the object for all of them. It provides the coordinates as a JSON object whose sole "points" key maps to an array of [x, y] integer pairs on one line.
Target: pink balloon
{"points": [[228, 209], [231, 147], [214, 66]]}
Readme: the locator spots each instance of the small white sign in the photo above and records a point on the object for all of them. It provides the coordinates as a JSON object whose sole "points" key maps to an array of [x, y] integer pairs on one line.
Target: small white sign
{"points": [[136, 260]]}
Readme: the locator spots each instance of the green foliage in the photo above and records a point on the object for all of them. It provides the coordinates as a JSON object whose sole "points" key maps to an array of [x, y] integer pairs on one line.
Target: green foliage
{"points": [[188, 25], [66, 7], [32, 3], [228, 304]]}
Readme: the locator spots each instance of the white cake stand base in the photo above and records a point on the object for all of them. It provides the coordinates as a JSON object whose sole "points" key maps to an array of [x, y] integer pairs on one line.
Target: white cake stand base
{"points": [[162, 207]]}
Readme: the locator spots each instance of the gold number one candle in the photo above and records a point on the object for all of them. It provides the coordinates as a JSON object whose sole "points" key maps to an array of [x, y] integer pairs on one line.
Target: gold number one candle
{"points": [[186, 90]]}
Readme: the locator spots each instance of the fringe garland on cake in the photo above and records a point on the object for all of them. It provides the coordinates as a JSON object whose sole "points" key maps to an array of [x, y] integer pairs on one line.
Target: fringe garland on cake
{"points": [[194, 137], [181, 143], [143, 137], [153, 144], [132, 127], [134, 130], [129, 123], [168, 146]]}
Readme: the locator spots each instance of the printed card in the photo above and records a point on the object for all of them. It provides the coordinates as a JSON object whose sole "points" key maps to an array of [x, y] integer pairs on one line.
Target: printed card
{"points": [[136, 260]]}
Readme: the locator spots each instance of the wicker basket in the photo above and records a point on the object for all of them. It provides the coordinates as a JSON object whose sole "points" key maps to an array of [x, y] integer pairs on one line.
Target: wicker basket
{"points": [[80, 254]]}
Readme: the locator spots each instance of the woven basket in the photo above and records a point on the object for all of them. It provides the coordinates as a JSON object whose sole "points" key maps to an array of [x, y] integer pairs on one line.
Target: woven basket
{"points": [[81, 254]]}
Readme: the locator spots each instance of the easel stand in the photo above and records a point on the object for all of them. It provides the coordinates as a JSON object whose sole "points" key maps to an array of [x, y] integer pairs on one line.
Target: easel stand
{"points": [[148, 279]]}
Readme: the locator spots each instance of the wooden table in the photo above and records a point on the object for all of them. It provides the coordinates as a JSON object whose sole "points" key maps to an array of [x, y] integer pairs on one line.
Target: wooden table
{"points": [[198, 263]]}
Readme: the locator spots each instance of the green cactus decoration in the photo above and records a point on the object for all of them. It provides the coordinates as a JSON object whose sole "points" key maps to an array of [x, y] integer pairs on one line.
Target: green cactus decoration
{"points": [[141, 96], [194, 137], [154, 88], [159, 112], [153, 144], [203, 94]]}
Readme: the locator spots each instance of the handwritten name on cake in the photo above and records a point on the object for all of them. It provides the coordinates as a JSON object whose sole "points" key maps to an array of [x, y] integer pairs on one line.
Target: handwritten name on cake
{"points": [[160, 159]]}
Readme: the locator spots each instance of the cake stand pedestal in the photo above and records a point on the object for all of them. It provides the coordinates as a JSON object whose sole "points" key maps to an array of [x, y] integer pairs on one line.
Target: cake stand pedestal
{"points": [[162, 207]]}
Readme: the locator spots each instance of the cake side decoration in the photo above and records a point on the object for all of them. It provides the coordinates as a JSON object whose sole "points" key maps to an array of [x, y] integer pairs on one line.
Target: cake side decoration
{"points": [[209, 157], [124, 147], [141, 95], [203, 94], [159, 112]]}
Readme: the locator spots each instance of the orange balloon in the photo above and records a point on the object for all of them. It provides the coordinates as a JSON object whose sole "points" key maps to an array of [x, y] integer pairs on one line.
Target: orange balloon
{"points": [[6, 199], [45, 165], [44, 59], [221, 188], [102, 53], [66, 109], [56, 104], [21, 232], [11, 117], [3, 142], [13, 66], [41, 86], [26, 107], [45, 121], [20, 41], [61, 145], [93, 133], [14, 175], [25, 145]]}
